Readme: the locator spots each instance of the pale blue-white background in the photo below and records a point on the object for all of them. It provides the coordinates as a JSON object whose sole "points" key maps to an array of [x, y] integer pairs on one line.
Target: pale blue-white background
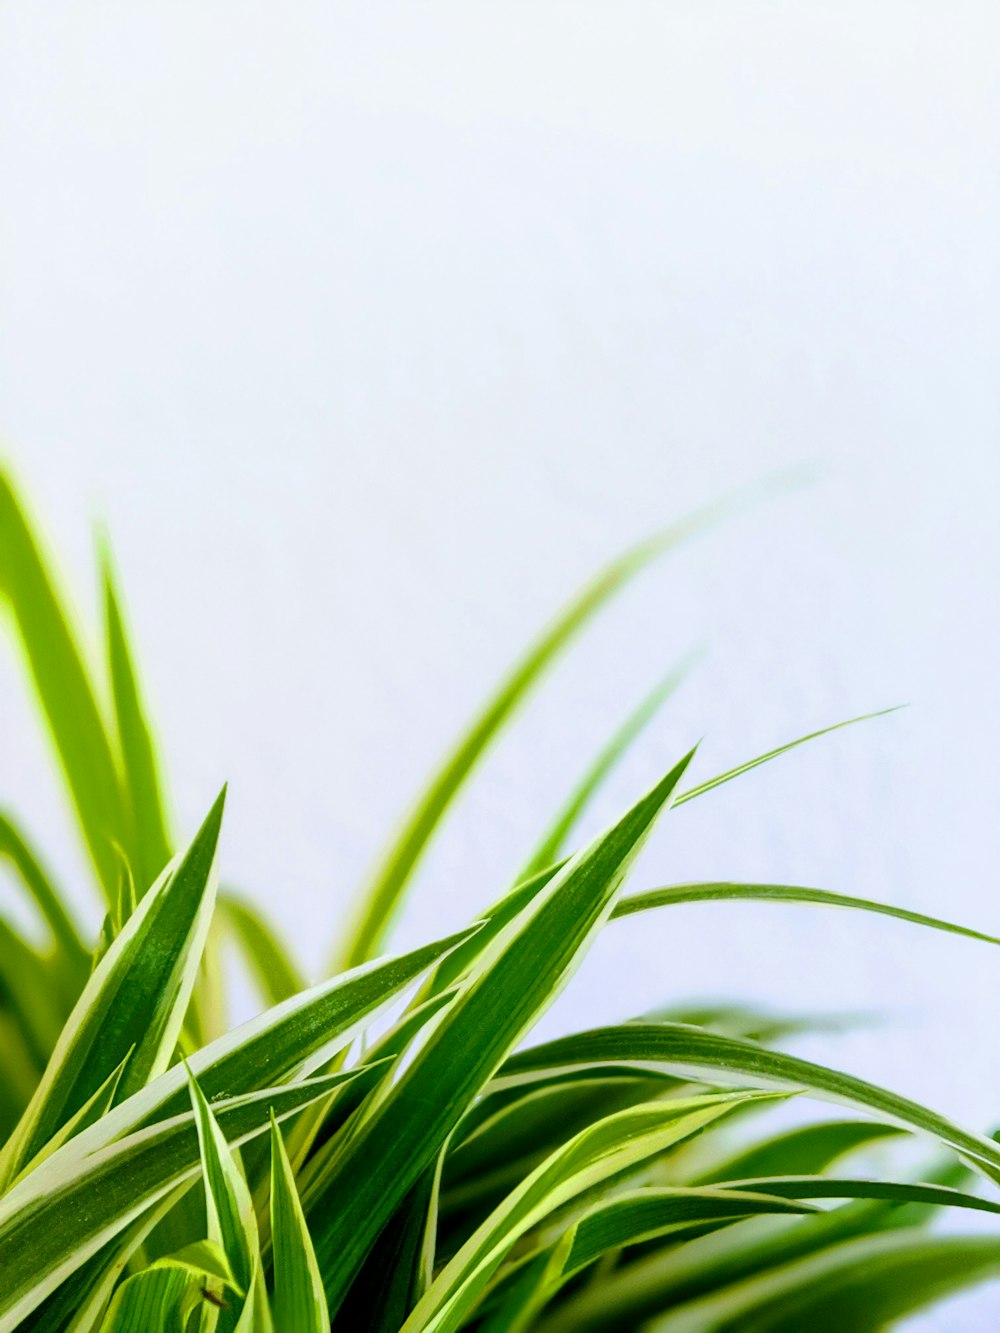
{"points": [[371, 330]]}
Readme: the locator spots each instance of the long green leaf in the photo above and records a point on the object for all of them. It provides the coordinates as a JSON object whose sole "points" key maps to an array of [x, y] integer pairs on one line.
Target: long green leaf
{"points": [[15, 847], [312, 1138], [231, 1222], [504, 1147], [28, 992], [662, 1275], [377, 903], [748, 765], [92, 1110], [152, 1299], [643, 1214], [64, 690], [806, 1149], [306, 1030], [151, 843], [161, 1296], [830, 1187], [701, 1054], [517, 979], [452, 969], [299, 1301], [270, 964], [724, 891], [862, 1285], [597, 1155], [63, 1213], [80, 1304], [551, 846], [517, 898], [134, 1001], [626, 1219]]}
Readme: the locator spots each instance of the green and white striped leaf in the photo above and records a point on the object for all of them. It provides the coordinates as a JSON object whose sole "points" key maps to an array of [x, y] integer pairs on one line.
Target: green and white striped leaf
{"points": [[626, 1219], [88, 1114], [79, 1304], [298, 1301], [698, 1053], [302, 1032], [518, 977], [862, 1285], [134, 1003], [232, 1226], [600, 1153], [162, 1296], [65, 1211]]}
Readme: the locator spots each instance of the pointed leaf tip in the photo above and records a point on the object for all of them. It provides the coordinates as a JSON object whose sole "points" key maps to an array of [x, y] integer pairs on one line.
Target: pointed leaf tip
{"points": [[660, 795]]}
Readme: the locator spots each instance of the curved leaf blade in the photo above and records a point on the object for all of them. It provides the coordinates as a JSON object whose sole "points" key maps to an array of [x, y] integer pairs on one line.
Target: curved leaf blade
{"points": [[228, 1206], [551, 845], [672, 895], [703, 1054], [590, 1159], [517, 978], [861, 1285], [379, 899], [748, 765]]}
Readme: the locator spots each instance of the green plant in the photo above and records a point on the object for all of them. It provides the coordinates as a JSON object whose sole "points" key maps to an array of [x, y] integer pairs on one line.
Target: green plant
{"points": [[382, 1149]]}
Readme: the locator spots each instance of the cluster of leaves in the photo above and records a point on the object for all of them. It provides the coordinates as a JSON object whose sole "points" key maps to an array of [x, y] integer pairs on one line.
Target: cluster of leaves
{"points": [[382, 1151]]}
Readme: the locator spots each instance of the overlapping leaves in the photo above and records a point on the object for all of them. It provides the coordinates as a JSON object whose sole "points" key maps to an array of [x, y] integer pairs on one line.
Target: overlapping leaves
{"points": [[382, 1147]]}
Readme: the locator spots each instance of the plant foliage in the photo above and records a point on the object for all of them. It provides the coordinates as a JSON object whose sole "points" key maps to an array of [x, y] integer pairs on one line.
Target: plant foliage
{"points": [[386, 1150]]}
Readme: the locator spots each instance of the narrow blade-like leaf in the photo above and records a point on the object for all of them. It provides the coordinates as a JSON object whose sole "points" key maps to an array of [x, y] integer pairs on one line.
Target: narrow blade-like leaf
{"points": [[151, 843], [60, 1215], [75, 957], [748, 765], [806, 1149], [64, 689], [724, 891], [709, 1055], [377, 904], [270, 964], [597, 1155], [134, 1001], [550, 848], [299, 1301], [862, 1285], [232, 1224], [517, 979], [305, 1030]]}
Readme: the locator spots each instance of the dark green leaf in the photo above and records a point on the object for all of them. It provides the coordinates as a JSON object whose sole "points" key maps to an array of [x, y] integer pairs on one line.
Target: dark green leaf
{"points": [[516, 980]]}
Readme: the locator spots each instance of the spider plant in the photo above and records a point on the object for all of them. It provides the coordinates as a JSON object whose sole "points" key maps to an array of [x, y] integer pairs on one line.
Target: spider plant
{"points": [[386, 1150]]}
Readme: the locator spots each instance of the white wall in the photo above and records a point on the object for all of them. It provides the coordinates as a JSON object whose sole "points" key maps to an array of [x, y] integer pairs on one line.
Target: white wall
{"points": [[371, 330]]}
